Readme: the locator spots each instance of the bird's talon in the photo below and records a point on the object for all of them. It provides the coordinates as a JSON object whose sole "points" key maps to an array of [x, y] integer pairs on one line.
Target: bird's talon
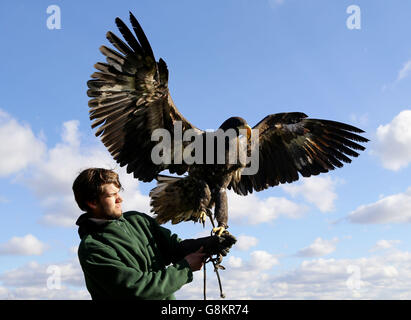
{"points": [[219, 231], [202, 217]]}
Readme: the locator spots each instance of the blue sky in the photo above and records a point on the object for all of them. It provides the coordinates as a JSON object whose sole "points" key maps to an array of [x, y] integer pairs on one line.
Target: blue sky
{"points": [[226, 58]]}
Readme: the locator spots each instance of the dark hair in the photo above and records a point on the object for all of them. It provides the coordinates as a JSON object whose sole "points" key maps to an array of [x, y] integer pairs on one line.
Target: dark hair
{"points": [[88, 185]]}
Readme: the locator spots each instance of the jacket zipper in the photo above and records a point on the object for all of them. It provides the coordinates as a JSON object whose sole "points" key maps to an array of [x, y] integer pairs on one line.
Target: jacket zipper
{"points": [[123, 227]]}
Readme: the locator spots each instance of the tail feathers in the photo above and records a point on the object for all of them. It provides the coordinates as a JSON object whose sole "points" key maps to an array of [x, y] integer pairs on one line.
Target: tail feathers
{"points": [[179, 199]]}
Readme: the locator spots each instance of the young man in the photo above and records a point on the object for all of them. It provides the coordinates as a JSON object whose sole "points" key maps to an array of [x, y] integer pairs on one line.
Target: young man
{"points": [[129, 255]]}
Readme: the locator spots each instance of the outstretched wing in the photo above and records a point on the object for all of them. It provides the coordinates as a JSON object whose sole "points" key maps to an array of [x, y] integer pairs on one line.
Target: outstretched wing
{"points": [[130, 99], [291, 143]]}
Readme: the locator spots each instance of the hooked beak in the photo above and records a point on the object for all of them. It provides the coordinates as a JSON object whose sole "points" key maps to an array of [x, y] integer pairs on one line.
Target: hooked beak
{"points": [[248, 128]]}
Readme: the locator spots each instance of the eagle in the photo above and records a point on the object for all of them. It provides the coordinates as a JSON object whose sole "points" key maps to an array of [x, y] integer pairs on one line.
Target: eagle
{"points": [[130, 101]]}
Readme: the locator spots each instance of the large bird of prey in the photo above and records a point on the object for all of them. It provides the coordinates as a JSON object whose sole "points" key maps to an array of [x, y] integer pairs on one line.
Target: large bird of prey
{"points": [[130, 99]]}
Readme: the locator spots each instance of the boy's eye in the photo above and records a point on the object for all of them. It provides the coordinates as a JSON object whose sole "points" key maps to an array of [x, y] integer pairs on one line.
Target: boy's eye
{"points": [[111, 195]]}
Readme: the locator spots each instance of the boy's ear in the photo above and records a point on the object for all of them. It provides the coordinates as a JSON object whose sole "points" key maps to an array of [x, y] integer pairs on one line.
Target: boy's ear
{"points": [[92, 204]]}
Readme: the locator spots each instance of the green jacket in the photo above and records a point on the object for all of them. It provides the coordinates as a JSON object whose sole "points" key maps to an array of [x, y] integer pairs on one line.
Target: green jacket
{"points": [[129, 258]]}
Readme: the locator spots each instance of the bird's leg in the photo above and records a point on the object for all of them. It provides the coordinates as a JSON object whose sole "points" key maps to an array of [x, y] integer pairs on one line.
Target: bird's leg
{"points": [[220, 211], [216, 262], [202, 218], [210, 215]]}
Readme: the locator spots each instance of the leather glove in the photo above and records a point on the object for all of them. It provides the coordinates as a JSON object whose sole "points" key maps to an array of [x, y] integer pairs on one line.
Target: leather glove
{"points": [[211, 245]]}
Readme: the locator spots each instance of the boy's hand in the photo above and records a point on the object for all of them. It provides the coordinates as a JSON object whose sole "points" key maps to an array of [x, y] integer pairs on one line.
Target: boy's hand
{"points": [[196, 259]]}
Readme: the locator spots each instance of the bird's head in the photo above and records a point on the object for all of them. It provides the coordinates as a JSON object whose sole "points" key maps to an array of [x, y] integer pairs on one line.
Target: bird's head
{"points": [[236, 123]]}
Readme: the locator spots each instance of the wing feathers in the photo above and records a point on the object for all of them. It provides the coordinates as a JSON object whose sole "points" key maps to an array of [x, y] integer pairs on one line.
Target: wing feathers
{"points": [[291, 144], [128, 36], [113, 55], [141, 37], [130, 99], [119, 44]]}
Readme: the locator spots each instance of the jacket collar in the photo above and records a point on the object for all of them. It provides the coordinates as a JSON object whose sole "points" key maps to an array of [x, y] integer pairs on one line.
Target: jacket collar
{"points": [[87, 224]]}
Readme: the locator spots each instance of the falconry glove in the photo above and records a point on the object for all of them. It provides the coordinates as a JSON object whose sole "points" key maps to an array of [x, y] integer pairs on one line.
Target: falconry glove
{"points": [[212, 245]]}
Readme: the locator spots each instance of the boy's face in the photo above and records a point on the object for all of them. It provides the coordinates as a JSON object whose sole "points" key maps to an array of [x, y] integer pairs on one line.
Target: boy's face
{"points": [[108, 206]]}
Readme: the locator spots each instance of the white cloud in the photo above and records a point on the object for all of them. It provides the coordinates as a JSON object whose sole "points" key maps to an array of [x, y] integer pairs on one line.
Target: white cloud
{"points": [[31, 282], [234, 262], [385, 244], [241, 279], [405, 71], [254, 210], [35, 293], [319, 191], [262, 260], [391, 209], [35, 274], [393, 142], [385, 276], [19, 146], [377, 277], [318, 248], [27, 245], [73, 250], [52, 179], [360, 119], [245, 242], [71, 135], [4, 293]]}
